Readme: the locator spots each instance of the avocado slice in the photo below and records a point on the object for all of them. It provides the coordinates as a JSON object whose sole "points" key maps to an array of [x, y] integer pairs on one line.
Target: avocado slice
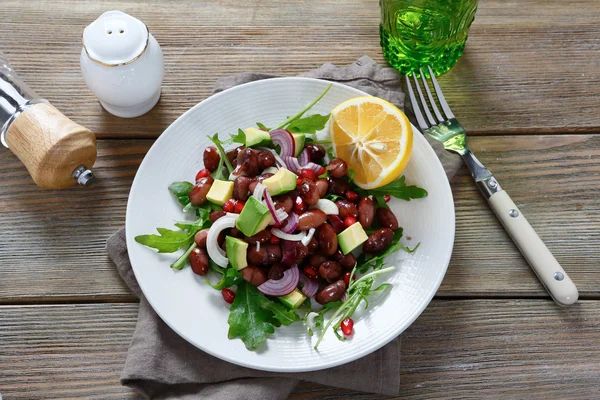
{"points": [[255, 217], [352, 237], [283, 181], [255, 136], [298, 143], [220, 192], [293, 300], [236, 252]]}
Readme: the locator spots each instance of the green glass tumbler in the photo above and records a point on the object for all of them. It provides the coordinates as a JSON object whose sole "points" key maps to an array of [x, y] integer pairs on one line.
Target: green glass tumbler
{"points": [[416, 33]]}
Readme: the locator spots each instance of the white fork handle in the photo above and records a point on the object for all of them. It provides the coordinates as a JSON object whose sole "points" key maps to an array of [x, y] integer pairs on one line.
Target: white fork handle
{"points": [[553, 276]]}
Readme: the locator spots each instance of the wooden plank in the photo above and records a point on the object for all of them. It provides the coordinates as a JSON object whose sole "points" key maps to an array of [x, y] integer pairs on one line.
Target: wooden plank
{"points": [[528, 66], [455, 350], [52, 242]]}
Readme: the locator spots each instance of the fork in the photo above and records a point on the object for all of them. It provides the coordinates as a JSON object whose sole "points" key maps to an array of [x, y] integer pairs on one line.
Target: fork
{"points": [[446, 129]]}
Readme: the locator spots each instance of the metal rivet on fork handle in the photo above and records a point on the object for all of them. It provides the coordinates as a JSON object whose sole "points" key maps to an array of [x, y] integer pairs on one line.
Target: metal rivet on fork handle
{"points": [[559, 276], [513, 213]]}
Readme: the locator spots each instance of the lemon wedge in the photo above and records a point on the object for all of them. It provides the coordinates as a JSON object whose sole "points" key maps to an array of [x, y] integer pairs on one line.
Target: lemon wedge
{"points": [[374, 137]]}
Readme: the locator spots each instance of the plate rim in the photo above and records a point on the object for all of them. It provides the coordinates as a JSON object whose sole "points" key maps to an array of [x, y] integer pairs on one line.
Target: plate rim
{"points": [[360, 354]]}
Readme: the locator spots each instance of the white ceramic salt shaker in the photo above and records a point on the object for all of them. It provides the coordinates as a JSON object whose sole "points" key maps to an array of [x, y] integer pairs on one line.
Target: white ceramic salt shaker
{"points": [[122, 64]]}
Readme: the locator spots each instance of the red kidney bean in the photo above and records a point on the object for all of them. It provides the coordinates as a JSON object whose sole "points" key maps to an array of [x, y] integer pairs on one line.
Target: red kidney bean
{"points": [[257, 257], [387, 218], [331, 271], [236, 233], [241, 187], [337, 168], [316, 260], [311, 219], [301, 251], [266, 159], [348, 261], [261, 237], [200, 238], [328, 241], [322, 186], [276, 272], [309, 192], [283, 202], [378, 241], [313, 246], [347, 209], [332, 292], [200, 190], [338, 186], [199, 261], [254, 275], [247, 163], [366, 212], [316, 152], [273, 253], [215, 215], [336, 222], [211, 158], [232, 154]]}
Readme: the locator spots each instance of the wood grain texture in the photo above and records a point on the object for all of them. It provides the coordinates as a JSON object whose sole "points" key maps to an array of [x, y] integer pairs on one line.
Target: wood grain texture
{"points": [[457, 349], [52, 242], [529, 67]]}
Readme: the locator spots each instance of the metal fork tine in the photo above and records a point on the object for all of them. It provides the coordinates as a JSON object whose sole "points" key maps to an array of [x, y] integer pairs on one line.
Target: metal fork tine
{"points": [[416, 109], [440, 95], [424, 102], [431, 99]]}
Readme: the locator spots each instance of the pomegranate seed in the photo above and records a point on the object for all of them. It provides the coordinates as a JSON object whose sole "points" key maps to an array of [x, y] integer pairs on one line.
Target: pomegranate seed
{"points": [[229, 205], [347, 326], [238, 207], [322, 171], [352, 196], [308, 174], [349, 221], [347, 278], [387, 198], [299, 205], [203, 173], [228, 295], [274, 239], [311, 272], [298, 182]]}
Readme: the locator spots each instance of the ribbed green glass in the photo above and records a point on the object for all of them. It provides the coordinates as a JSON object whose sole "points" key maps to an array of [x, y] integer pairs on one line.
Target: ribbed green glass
{"points": [[415, 33]]}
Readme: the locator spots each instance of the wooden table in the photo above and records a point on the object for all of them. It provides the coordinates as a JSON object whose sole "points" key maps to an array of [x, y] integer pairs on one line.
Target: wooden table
{"points": [[527, 89]]}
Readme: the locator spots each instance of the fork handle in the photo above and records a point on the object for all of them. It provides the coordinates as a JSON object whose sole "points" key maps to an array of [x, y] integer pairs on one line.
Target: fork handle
{"points": [[553, 276]]}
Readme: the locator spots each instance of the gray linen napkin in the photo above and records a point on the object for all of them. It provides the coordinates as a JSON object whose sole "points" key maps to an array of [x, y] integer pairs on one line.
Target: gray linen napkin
{"points": [[162, 365]]}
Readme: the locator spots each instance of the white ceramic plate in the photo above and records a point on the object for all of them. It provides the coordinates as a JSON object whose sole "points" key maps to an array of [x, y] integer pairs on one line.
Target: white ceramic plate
{"points": [[198, 313]]}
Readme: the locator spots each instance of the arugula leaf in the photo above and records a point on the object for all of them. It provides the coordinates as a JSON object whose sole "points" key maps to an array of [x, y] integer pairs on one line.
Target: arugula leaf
{"points": [[334, 197], [181, 190], [261, 126], [167, 242], [331, 153], [202, 222], [240, 137], [400, 190], [183, 259], [320, 319], [231, 277], [301, 113], [311, 124], [363, 263], [218, 173], [249, 319], [282, 315], [219, 144]]}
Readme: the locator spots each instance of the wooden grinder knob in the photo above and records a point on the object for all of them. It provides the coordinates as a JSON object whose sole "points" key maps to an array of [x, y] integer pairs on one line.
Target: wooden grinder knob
{"points": [[50, 145]]}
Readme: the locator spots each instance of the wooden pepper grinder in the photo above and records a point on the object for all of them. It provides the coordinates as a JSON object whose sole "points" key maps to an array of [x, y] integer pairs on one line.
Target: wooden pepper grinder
{"points": [[56, 151]]}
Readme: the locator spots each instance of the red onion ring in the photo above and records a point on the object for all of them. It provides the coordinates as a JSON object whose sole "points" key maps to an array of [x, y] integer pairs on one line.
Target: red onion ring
{"points": [[292, 164], [290, 224], [313, 166], [303, 158], [285, 140], [282, 286], [309, 286], [271, 206]]}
